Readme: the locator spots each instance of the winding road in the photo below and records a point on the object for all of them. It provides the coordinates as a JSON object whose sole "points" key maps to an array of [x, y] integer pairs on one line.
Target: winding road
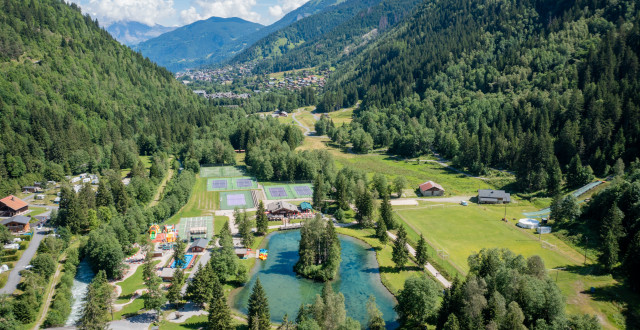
{"points": [[25, 259]]}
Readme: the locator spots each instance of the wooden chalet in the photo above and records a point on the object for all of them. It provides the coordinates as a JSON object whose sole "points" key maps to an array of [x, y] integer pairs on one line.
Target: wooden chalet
{"points": [[11, 206]]}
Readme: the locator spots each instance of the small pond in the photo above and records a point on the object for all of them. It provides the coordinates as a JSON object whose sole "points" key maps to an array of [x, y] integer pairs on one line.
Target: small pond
{"points": [[84, 276], [358, 279]]}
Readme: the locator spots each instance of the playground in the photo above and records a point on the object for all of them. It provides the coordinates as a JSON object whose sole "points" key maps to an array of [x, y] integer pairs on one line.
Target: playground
{"points": [[196, 227], [289, 191], [166, 234], [229, 200], [236, 183], [222, 171]]}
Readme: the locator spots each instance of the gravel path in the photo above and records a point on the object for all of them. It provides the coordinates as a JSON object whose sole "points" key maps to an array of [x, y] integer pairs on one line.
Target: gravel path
{"points": [[428, 267]]}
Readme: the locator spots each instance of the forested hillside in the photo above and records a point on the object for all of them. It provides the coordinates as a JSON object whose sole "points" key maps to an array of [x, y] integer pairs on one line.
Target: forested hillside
{"points": [[72, 100], [203, 42], [310, 28], [534, 86], [338, 39]]}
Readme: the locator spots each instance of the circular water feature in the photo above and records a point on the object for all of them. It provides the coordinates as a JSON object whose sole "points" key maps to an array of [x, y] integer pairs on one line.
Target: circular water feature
{"points": [[358, 278]]}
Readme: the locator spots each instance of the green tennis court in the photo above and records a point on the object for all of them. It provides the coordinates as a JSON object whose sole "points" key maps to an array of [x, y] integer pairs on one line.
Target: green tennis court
{"points": [[232, 199], [289, 191], [222, 171], [224, 184], [187, 224]]}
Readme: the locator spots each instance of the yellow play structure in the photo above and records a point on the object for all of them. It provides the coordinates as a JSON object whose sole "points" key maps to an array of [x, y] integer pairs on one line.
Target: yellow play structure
{"points": [[153, 231], [169, 233]]}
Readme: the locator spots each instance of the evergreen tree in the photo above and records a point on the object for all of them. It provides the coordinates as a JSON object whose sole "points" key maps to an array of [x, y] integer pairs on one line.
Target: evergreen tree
{"points": [[178, 254], [198, 290], [174, 293], [400, 253], [319, 193], [381, 232], [612, 230], [364, 206], [154, 298], [258, 309], [262, 222], [632, 262], [219, 313], [386, 212], [97, 303], [376, 322], [147, 266], [422, 255], [452, 323], [319, 250], [244, 227]]}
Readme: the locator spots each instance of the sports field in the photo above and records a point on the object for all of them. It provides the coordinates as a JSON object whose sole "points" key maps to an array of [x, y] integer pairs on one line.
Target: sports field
{"points": [[222, 171], [459, 231], [229, 200], [224, 184], [289, 191], [187, 223]]}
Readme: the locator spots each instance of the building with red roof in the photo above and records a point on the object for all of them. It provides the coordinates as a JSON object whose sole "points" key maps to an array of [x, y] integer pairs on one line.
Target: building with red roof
{"points": [[11, 206], [431, 188]]}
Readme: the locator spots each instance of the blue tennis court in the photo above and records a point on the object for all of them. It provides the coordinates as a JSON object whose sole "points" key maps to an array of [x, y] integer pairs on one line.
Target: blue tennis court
{"points": [[244, 183], [277, 192], [303, 190], [219, 184], [236, 199]]}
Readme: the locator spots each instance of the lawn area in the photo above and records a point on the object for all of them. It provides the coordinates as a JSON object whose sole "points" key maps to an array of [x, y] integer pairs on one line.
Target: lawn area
{"points": [[341, 117], [202, 202], [129, 310], [195, 322], [218, 223], [36, 211], [131, 284], [462, 231]]}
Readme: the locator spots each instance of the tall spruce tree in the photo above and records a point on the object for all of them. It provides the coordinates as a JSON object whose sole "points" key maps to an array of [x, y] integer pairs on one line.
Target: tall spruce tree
{"points": [[219, 313], [381, 232], [386, 212], [611, 231], [258, 309], [178, 254], [174, 293], [422, 255], [319, 193], [262, 222], [400, 253], [155, 298], [97, 303]]}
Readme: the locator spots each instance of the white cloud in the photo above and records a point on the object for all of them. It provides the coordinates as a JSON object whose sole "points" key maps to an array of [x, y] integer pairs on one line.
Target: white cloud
{"points": [[149, 12], [220, 8], [284, 7], [275, 11]]}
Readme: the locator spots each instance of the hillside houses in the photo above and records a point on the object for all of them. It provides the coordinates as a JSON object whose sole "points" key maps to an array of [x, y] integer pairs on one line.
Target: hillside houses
{"points": [[11, 206]]}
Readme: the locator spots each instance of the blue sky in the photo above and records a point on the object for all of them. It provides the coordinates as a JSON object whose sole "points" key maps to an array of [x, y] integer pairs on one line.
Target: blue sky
{"points": [[181, 12]]}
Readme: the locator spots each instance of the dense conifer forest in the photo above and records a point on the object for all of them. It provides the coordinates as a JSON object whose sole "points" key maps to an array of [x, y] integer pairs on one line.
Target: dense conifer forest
{"points": [[532, 86]]}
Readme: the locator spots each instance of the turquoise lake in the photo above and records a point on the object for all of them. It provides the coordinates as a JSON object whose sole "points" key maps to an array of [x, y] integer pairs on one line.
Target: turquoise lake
{"points": [[358, 278]]}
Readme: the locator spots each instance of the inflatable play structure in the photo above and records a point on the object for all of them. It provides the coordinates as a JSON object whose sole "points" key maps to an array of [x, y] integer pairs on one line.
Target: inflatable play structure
{"points": [[169, 234], [528, 223], [154, 230], [264, 253]]}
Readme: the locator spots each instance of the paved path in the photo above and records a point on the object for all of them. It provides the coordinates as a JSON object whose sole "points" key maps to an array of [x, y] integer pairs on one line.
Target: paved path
{"points": [[25, 259], [140, 321], [306, 129], [428, 267]]}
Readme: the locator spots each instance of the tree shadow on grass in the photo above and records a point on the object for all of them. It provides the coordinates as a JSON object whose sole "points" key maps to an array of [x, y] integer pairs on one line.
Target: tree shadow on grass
{"points": [[620, 294]]}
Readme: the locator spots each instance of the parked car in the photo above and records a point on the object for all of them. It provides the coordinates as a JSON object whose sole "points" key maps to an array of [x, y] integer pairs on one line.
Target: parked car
{"points": [[464, 203]]}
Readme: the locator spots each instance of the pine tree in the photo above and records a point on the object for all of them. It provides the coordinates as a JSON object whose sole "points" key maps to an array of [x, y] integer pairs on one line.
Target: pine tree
{"points": [[262, 222], [154, 299], [422, 255], [198, 290], [258, 310], [174, 293], [219, 313], [178, 254], [381, 232], [386, 212], [244, 227], [376, 322], [97, 303], [612, 230], [147, 266], [319, 193], [400, 253], [632, 263], [364, 205]]}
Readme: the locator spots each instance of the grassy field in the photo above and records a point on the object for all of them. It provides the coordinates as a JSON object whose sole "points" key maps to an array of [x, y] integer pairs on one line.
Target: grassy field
{"points": [[202, 202], [462, 231], [131, 284], [342, 117]]}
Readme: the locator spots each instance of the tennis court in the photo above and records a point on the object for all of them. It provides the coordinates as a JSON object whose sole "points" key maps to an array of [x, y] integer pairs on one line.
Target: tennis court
{"points": [[289, 191], [195, 227], [222, 184], [232, 199], [222, 171]]}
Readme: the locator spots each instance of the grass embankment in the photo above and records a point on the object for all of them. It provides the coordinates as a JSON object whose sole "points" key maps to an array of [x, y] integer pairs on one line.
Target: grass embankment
{"points": [[131, 284], [202, 202], [462, 231]]}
